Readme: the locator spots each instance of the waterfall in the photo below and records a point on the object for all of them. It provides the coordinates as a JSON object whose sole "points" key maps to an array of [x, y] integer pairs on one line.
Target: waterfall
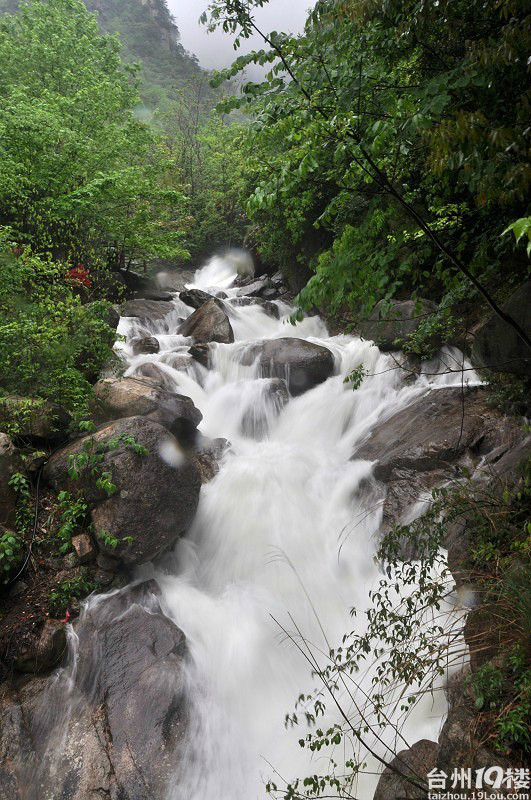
{"points": [[285, 536], [280, 551]]}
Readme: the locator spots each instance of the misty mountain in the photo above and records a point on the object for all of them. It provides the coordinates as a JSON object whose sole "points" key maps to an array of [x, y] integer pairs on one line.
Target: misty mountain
{"points": [[150, 37]]}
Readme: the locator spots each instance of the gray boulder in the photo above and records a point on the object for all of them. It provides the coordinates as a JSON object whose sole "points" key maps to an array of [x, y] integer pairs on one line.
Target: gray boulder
{"points": [[406, 776], [147, 310], [497, 346], [301, 364], [148, 344], [116, 398], [111, 727], [425, 444], [209, 323], [389, 329], [201, 354], [195, 297], [156, 494], [256, 287]]}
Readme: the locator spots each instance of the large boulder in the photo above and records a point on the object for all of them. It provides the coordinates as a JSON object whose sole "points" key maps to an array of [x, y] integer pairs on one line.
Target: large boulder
{"points": [[195, 298], [209, 323], [10, 462], [145, 344], [301, 364], [147, 310], [422, 445], [156, 493], [428, 434], [112, 723], [116, 398], [153, 294], [390, 327], [406, 776], [497, 346]]}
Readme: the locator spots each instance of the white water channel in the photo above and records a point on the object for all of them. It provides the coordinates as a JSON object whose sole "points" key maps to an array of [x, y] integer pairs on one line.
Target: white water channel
{"points": [[285, 533]]}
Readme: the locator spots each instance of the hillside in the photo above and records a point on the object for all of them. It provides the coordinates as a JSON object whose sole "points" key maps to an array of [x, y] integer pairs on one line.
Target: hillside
{"points": [[150, 37]]}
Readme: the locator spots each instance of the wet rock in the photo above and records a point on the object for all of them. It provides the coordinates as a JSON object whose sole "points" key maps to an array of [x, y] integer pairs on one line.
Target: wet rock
{"points": [[115, 727], [147, 310], [207, 456], [497, 346], [390, 328], [256, 287], [201, 354], [83, 547], [153, 374], [10, 462], [209, 323], [116, 398], [414, 764], [35, 419], [156, 497], [46, 651], [302, 364], [269, 294], [428, 443], [271, 309], [149, 344], [432, 432], [195, 297]]}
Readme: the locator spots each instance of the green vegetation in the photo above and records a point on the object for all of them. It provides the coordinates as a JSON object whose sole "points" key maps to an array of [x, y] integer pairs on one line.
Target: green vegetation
{"points": [[387, 149], [79, 174], [51, 343], [61, 597], [11, 554], [412, 643]]}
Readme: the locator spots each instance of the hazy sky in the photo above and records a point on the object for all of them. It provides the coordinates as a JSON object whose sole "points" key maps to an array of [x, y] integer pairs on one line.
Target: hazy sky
{"points": [[214, 50]]}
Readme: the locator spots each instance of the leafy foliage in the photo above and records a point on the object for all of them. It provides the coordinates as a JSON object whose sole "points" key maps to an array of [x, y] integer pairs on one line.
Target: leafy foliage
{"points": [[79, 174], [388, 147], [50, 342]]}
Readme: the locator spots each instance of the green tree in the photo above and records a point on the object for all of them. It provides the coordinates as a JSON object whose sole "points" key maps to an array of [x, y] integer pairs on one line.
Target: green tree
{"points": [[78, 172], [386, 127]]}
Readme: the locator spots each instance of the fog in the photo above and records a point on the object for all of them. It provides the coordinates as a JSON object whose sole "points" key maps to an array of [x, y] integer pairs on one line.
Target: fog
{"points": [[215, 50]]}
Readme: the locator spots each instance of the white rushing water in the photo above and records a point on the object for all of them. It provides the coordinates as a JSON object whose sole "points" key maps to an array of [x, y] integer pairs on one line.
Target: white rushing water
{"points": [[285, 533]]}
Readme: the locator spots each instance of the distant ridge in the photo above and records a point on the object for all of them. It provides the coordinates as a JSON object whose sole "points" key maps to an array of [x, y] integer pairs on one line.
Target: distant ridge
{"points": [[150, 36]]}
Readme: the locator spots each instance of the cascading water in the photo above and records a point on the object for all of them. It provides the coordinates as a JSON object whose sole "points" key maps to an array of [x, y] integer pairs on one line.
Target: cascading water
{"points": [[284, 534], [284, 538]]}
